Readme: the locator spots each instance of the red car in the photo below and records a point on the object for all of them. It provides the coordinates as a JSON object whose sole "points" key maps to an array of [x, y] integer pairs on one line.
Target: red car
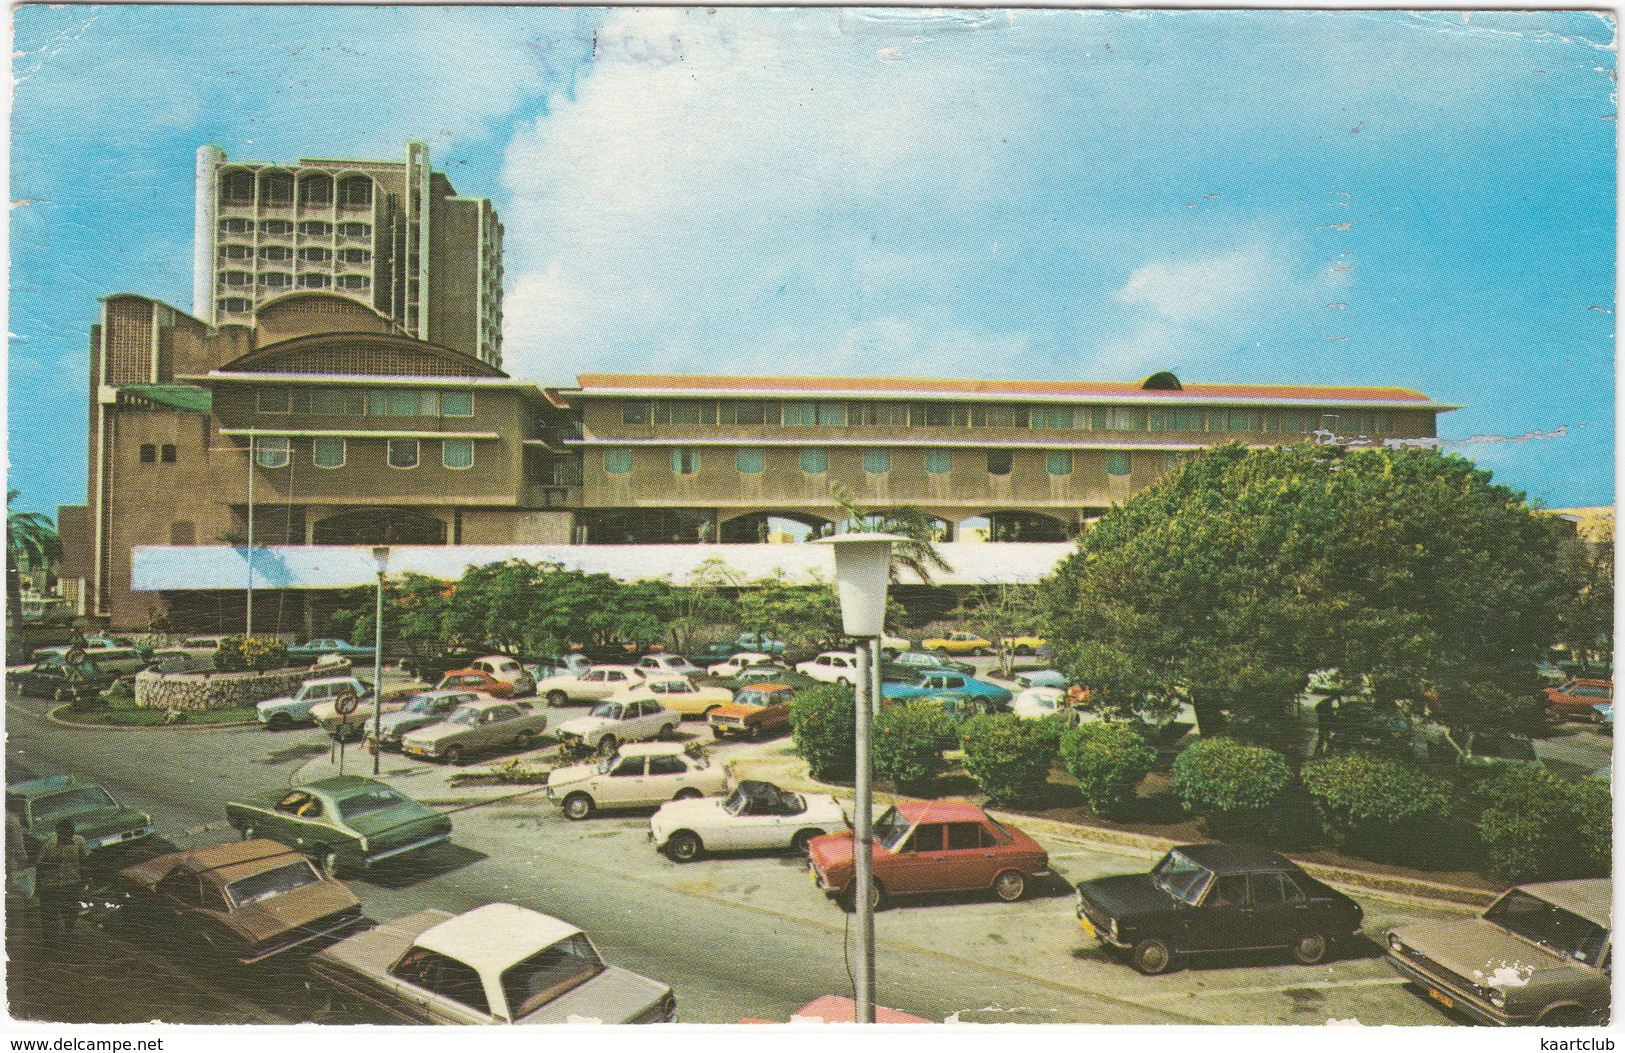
{"points": [[934, 846], [1576, 697], [475, 680]]}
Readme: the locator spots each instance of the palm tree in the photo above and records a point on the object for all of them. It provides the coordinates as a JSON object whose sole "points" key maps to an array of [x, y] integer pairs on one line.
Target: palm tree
{"points": [[30, 537], [917, 553]]}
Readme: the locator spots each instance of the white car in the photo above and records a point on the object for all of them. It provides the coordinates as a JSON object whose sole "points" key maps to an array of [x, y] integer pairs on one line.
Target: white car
{"points": [[613, 722], [832, 667], [594, 685], [285, 712], [740, 662], [509, 671], [1036, 702], [638, 775], [757, 815], [673, 664]]}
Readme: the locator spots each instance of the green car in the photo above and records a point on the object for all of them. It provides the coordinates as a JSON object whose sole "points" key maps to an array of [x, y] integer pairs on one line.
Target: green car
{"points": [[342, 822], [42, 803]]}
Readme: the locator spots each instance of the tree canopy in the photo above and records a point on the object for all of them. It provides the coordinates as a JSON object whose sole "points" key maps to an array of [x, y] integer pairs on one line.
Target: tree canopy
{"points": [[1243, 571]]}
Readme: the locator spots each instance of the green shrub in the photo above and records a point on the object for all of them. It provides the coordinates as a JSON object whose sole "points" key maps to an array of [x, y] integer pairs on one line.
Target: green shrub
{"points": [[1009, 757], [1368, 801], [823, 722], [908, 742], [1108, 760], [1538, 827], [239, 653], [1231, 787]]}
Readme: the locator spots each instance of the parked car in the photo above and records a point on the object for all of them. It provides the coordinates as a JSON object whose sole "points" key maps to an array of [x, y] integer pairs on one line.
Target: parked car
{"points": [[495, 964], [251, 899], [832, 667], [932, 846], [1539, 955], [475, 680], [754, 709], [557, 665], [614, 721], [40, 804], [1040, 678], [755, 816], [767, 674], [329, 645], [1575, 698], [1603, 715], [1035, 703], [507, 670], [341, 822], [419, 711], [667, 664], [1021, 646], [281, 713], [1212, 898], [957, 643], [594, 685], [941, 682], [193, 653], [678, 694], [638, 775], [929, 660], [759, 642], [62, 678], [354, 724], [476, 727], [736, 664]]}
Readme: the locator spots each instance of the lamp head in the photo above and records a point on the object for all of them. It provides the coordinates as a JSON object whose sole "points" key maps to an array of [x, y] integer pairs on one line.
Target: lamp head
{"points": [[862, 575], [380, 556]]}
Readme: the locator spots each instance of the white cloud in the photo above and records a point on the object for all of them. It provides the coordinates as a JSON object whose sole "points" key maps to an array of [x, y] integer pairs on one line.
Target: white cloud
{"points": [[1203, 290]]}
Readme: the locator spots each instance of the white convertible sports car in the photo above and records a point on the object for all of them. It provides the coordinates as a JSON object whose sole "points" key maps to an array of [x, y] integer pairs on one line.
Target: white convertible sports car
{"points": [[757, 815]]}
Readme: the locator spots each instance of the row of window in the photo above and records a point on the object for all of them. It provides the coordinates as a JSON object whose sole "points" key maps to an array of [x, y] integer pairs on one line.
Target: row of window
{"points": [[282, 254], [153, 452], [331, 453], [951, 415], [814, 461], [353, 402], [284, 280], [277, 188], [314, 228]]}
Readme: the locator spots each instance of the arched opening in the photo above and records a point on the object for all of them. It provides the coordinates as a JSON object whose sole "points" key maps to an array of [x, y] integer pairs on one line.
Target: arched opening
{"points": [[316, 191], [237, 188], [649, 526], [774, 528], [1016, 526], [355, 192], [379, 526], [276, 188]]}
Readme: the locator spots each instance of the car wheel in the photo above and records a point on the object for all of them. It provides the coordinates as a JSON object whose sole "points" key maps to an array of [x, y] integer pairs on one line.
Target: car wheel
{"points": [[684, 846], [249, 833], [556, 697], [1309, 948], [453, 755], [667, 732], [1152, 957], [877, 896], [1010, 886], [608, 745], [279, 722], [1566, 1016], [801, 844], [525, 741], [687, 793], [577, 806]]}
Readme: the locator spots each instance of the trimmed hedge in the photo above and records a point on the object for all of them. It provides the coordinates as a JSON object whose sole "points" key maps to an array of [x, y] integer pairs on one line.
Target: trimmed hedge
{"points": [[1010, 758], [1365, 799], [238, 654], [823, 721], [1230, 786], [908, 743], [1108, 760], [1539, 827]]}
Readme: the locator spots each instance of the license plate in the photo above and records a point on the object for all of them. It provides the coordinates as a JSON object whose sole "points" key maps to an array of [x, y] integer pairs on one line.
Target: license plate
{"points": [[1442, 998], [1086, 925]]}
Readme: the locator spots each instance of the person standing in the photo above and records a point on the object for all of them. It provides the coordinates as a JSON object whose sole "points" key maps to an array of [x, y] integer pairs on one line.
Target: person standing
{"points": [[59, 879]]}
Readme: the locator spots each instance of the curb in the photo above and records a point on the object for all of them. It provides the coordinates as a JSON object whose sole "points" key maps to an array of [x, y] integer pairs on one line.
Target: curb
{"points": [[51, 715]]}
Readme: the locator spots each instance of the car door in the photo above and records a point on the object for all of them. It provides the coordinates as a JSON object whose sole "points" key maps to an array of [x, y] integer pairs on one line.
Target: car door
{"points": [[666, 776], [969, 858], [433, 988], [1225, 919], [1279, 910], [625, 783], [916, 866], [644, 719]]}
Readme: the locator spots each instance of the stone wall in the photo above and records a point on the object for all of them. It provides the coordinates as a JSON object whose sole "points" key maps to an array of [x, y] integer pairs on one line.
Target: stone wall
{"points": [[216, 690]]}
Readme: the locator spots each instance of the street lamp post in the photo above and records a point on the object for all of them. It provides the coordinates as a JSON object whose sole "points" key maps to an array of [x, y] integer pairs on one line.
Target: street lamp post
{"points": [[380, 555], [862, 574]]}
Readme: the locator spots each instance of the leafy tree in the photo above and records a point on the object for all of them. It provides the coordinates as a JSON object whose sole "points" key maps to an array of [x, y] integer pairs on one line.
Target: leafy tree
{"points": [[999, 613], [823, 722], [1232, 787], [1369, 800], [800, 615], [1010, 758], [1586, 622], [916, 553], [1242, 571], [1108, 760], [908, 743], [1539, 827], [416, 612], [689, 610], [31, 538]]}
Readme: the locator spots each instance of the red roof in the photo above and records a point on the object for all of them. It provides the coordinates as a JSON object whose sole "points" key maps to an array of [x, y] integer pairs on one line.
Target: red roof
{"points": [[603, 383]]}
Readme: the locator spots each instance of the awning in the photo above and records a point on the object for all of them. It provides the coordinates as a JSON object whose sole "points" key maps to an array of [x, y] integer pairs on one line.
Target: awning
{"points": [[179, 396]]}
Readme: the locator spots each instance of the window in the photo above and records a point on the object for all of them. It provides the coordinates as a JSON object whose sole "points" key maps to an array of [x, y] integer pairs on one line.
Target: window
{"points": [[443, 976], [877, 462], [236, 252], [276, 254], [276, 227], [806, 414], [881, 414], [166, 453], [237, 188], [750, 413], [1118, 462], [236, 279], [635, 413], [1230, 890], [315, 255], [618, 462], [276, 280], [927, 837], [403, 453], [457, 453], [327, 453], [1058, 462], [402, 403], [316, 190], [814, 461], [997, 417], [998, 462], [314, 281], [1122, 418], [149, 453], [271, 400], [666, 764], [236, 226], [1243, 420], [1051, 417], [685, 411], [355, 255], [235, 305], [315, 228], [355, 230], [456, 403], [942, 415], [749, 462], [939, 462], [337, 402], [354, 281], [685, 461], [355, 192], [964, 835], [271, 452], [276, 188]]}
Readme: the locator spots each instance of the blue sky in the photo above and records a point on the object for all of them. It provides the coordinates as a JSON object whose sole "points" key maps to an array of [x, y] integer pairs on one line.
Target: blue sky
{"points": [[1357, 197]]}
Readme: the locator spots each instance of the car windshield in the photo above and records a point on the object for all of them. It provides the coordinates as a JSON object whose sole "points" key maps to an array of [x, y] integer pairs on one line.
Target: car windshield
{"points": [[78, 799], [1181, 878], [607, 763], [375, 799], [1559, 931], [752, 698], [464, 715], [607, 710], [549, 973], [737, 801], [890, 828], [272, 883], [419, 704]]}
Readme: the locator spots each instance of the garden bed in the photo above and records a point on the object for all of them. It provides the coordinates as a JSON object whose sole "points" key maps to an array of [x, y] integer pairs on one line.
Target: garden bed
{"points": [[132, 716]]}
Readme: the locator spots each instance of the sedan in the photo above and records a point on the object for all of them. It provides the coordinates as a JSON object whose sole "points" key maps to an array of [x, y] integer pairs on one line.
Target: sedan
{"points": [[957, 643], [669, 664], [930, 660], [757, 816], [594, 685], [39, 804], [679, 694], [638, 775], [1575, 698], [420, 711], [613, 722], [343, 821], [939, 682], [1216, 898], [738, 663], [832, 667], [476, 727], [475, 680], [317, 648]]}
